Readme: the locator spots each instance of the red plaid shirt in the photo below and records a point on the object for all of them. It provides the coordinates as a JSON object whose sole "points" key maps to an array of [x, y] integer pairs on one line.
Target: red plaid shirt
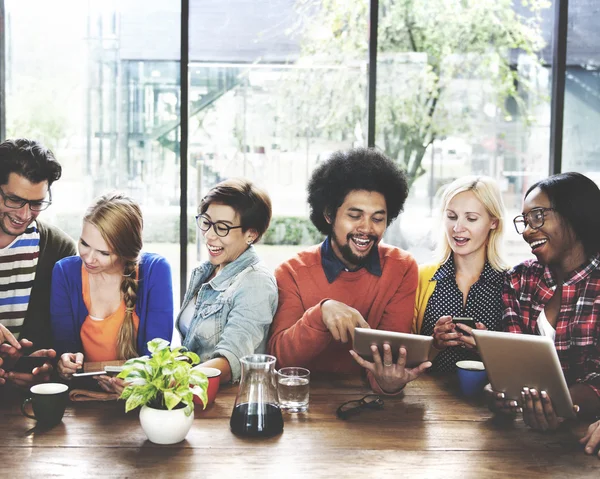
{"points": [[527, 289]]}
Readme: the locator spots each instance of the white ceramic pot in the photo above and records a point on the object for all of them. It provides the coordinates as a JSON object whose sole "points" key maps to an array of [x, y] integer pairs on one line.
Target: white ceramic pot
{"points": [[165, 427]]}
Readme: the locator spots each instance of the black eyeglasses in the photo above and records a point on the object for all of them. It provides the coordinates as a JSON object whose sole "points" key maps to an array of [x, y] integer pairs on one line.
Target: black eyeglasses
{"points": [[535, 218], [351, 408], [16, 202], [221, 229]]}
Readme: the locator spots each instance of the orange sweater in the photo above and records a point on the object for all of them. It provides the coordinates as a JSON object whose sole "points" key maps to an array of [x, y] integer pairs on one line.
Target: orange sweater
{"points": [[298, 335]]}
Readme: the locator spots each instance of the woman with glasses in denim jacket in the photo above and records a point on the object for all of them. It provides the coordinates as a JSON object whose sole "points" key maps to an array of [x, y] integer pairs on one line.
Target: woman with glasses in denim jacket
{"points": [[558, 294], [231, 299]]}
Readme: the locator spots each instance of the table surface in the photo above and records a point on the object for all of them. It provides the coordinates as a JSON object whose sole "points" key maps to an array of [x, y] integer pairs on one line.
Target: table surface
{"points": [[429, 431]]}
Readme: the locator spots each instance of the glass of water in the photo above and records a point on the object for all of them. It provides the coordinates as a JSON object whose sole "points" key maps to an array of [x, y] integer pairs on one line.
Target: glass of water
{"points": [[293, 389]]}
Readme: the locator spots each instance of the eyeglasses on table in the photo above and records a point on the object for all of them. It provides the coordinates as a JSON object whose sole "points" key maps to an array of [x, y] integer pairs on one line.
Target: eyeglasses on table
{"points": [[354, 407]]}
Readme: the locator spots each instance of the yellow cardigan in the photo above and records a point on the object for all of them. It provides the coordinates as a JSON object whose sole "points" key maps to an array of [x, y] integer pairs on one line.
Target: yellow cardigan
{"points": [[425, 289]]}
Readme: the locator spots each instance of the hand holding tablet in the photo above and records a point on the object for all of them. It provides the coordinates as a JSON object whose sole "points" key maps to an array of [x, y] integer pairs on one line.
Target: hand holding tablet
{"points": [[521, 366], [417, 346], [388, 363]]}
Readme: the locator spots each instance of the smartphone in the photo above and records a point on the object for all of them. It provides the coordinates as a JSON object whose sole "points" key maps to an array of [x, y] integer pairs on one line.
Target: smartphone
{"points": [[91, 373], [26, 364], [113, 369], [466, 321]]}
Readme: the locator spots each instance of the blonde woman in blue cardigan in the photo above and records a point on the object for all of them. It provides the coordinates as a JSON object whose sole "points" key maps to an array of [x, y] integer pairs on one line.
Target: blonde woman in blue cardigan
{"points": [[466, 280]]}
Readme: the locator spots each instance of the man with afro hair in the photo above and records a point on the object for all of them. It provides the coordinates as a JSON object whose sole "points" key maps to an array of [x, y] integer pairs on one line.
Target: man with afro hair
{"points": [[351, 279]]}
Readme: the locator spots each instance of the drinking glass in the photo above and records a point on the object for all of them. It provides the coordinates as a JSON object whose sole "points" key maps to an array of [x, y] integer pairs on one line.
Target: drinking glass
{"points": [[293, 389]]}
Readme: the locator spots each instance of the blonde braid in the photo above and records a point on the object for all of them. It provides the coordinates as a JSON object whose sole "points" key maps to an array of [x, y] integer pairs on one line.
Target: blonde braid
{"points": [[126, 340]]}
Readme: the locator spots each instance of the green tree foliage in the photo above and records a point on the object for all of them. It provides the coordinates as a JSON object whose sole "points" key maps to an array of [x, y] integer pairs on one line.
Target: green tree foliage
{"points": [[425, 47]]}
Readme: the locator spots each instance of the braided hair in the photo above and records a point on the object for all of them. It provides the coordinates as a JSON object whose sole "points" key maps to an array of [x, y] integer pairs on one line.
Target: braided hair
{"points": [[119, 220]]}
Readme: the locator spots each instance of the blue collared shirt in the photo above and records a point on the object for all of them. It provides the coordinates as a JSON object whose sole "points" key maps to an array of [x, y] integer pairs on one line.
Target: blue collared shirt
{"points": [[333, 266]]}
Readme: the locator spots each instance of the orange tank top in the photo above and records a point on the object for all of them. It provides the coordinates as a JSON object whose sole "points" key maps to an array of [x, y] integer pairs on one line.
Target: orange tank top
{"points": [[99, 337]]}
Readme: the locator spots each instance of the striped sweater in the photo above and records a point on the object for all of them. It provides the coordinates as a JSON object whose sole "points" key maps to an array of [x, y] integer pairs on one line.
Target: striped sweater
{"points": [[18, 263]]}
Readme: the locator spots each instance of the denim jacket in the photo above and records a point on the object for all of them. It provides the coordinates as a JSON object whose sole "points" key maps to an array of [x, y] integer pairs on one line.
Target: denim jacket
{"points": [[234, 310]]}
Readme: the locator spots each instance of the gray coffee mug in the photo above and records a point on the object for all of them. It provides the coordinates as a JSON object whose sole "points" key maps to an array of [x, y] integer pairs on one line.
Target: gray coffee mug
{"points": [[48, 401]]}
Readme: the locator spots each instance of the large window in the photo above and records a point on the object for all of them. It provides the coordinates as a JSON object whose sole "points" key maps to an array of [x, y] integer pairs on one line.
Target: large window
{"points": [[275, 86], [581, 143], [95, 87], [462, 89], [268, 101]]}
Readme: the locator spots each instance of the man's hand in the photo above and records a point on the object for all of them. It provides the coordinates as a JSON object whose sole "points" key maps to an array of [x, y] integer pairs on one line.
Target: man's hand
{"points": [[592, 439], [38, 375], [2, 373], [340, 319], [390, 377], [7, 337], [11, 353], [69, 363]]}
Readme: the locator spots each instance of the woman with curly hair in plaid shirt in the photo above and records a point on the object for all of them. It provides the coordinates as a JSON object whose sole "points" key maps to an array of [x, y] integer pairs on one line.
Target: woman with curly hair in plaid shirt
{"points": [[558, 294]]}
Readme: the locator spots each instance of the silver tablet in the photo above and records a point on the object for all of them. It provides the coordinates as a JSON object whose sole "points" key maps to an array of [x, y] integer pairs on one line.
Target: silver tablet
{"points": [[514, 361], [417, 346]]}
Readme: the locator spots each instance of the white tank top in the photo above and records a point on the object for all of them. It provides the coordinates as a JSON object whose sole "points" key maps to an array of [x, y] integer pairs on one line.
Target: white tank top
{"points": [[544, 326]]}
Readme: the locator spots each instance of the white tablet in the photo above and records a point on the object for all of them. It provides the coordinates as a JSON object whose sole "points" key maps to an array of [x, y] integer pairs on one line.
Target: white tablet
{"points": [[514, 361], [417, 346]]}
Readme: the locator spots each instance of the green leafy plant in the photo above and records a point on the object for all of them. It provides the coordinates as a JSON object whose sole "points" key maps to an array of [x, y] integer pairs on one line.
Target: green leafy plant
{"points": [[163, 380]]}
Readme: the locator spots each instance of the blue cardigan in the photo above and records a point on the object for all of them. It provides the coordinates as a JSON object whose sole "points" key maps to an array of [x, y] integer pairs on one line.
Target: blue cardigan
{"points": [[154, 305]]}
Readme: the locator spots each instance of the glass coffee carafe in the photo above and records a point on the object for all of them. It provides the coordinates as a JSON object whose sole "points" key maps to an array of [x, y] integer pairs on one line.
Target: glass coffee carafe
{"points": [[256, 411]]}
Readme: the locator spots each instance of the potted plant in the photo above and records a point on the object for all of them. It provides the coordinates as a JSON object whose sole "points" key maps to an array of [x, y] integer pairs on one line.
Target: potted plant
{"points": [[164, 386]]}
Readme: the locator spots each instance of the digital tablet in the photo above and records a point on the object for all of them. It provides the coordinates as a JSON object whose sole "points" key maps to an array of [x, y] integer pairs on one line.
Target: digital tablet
{"points": [[417, 346], [514, 361]]}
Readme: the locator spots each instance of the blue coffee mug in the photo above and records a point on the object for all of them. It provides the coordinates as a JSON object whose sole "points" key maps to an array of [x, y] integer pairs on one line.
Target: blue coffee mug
{"points": [[471, 377]]}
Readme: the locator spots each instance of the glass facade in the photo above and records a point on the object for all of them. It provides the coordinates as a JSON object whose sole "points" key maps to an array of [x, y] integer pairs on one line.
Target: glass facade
{"points": [[264, 105], [95, 88], [275, 86], [581, 144]]}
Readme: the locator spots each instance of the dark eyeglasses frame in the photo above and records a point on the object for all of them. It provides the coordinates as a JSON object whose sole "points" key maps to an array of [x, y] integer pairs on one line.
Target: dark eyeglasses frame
{"points": [[370, 401], [525, 220], [213, 224], [43, 204]]}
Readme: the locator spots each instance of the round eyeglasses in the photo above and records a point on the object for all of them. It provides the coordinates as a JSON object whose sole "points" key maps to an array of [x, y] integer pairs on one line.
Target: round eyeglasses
{"points": [[534, 218], [220, 228]]}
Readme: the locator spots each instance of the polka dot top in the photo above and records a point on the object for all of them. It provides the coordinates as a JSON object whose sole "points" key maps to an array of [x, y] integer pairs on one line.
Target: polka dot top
{"points": [[484, 305]]}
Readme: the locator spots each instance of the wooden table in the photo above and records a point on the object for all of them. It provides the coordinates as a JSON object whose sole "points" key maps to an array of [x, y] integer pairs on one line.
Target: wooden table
{"points": [[429, 432]]}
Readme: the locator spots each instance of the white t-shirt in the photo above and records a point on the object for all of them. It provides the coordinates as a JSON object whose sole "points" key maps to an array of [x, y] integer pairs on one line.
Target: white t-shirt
{"points": [[186, 317]]}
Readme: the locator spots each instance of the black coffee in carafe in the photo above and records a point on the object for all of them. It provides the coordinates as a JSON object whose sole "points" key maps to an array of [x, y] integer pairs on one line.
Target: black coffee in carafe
{"points": [[256, 420], [256, 412]]}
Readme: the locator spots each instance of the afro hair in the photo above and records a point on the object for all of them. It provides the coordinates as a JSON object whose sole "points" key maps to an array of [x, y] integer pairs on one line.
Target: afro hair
{"points": [[356, 169]]}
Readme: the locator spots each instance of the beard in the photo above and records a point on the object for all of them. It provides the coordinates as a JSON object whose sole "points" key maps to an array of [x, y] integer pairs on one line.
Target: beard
{"points": [[349, 255], [4, 218]]}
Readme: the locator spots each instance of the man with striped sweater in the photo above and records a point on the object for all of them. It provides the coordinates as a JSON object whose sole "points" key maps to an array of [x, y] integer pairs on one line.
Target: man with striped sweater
{"points": [[28, 251]]}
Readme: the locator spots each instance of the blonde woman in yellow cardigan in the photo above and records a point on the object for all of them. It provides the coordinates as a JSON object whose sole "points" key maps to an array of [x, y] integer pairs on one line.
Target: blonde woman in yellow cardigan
{"points": [[466, 280]]}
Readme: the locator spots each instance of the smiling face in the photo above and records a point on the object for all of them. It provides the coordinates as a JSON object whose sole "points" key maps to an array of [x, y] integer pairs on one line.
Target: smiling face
{"points": [[14, 222], [554, 243], [97, 256], [223, 250], [358, 226], [468, 224]]}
